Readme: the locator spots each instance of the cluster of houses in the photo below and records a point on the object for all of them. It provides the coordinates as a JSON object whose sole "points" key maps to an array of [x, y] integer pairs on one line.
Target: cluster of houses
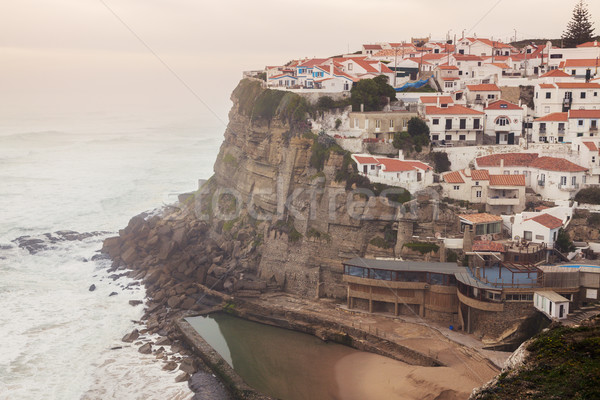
{"points": [[529, 117]]}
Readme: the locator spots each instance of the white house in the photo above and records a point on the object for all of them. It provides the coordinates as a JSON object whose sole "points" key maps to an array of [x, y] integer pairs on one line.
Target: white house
{"points": [[504, 122], [484, 47], [564, 96], [542, 228], [480, 94], [551, 303], [583, 123], [551, 128], [581, 68], [411, 175], [588, 156], [558, 55], [454, 125], [502, 194], [550, 177]]}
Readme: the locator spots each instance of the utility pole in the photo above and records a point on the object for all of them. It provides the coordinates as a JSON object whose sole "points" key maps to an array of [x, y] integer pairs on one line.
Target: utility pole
{"points": [[395, 65]]}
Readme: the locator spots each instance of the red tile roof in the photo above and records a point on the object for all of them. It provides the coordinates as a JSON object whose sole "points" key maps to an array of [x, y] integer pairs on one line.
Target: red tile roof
{"points": [[485, 245], [484, 87], [396, 165], [453, 177], [595, 114], [480, 175], [556, 164], [372, 46], [591, 145], [507, 180], [503, 105], [366, 160], [595, 43], [500, 65], [510, 159], [448, 67], [452, 110], [581, 63], [555, 73], [466, 57], [547, 86], [559, 116], [547, 220], [434, 99], [480, 218], [577, 85]]}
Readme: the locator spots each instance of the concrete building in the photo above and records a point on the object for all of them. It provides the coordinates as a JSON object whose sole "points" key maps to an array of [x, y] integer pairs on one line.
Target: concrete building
{"points": [[552, 304], [380, 125], [454, 125], [482, 94], [504, 122], [543, 229], [411, 175], [564, 96]]}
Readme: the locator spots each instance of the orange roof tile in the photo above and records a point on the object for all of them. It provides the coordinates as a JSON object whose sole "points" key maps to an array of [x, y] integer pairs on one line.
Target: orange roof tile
{"points": [[434, 99], [452, 110], [396, 165], [547, 220], [485, 245], [547, 86], [502, 105], [595, 43], [480, 218], [507, 180], [555, 73], [448, 67], [466, 57], [500, 65], [484, 87], [556, 164], [480, 175], [366, 160], [591, 145], [595, 114], [510, 159], [577, 85], [453, 177], [372, 46], [593, 62], [558, 116], [450, 78]]}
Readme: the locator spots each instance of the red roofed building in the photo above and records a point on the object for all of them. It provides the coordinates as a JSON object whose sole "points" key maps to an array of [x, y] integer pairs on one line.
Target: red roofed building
{"points": [[551, 177], [503, 122], [579, 68], [412, 175], [481, 94], [454, 125], [541, 228], [565, 96]]}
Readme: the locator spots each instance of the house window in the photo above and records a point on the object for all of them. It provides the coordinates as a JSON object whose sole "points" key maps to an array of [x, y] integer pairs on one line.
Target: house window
{"points": [[404, 123], [476, 123], [349, 66], [476, 183], [491, 96], [543, 178], [435, 121], [548, 95], [563, 180], [462, 137], [573, 180], [448, 137], [463, 123], [372, 166], [527, 235], [435, 137], [377, 123], [502, 121], [580, 122], [448, 123], [391, 124], [456, 187], [582, 95], [561, 126], [478, 194], [593, 159]]}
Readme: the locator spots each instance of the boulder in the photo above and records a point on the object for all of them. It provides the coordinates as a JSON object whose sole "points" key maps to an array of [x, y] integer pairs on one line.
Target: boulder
{"points": [[170, 366], [92, 287], [130, 337], [146, 348], [183, 377], [188, 365], [174, 301], [113, 294], [135, 302], [130, 255]]}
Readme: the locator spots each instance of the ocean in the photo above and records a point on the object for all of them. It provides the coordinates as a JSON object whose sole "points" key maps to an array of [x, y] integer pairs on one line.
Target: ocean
{"points": [[88, 174]]}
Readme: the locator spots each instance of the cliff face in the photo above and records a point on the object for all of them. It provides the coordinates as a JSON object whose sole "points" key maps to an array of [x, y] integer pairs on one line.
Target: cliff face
{"points": [[280, 213]]}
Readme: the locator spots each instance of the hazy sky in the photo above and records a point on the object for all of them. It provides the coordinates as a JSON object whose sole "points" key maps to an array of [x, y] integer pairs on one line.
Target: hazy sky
{"points": [[74, 56]]}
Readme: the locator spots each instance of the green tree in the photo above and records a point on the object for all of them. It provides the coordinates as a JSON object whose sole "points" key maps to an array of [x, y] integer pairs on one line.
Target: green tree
{"points": [[579, 29], [373, 93], [563, 242], [417, 127], [441, 161]]}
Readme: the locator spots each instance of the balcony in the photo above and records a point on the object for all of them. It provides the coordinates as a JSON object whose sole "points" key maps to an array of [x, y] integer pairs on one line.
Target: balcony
{"points": [[593, 129], [542, 130], [541, 183], [569, 188], [503, 201], [561, 131]]}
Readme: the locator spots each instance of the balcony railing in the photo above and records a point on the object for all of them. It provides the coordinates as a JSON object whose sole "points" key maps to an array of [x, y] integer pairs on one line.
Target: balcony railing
{"points": [[542, 130], [593, 129], [568, 188], [541, 183], [502, 201]]}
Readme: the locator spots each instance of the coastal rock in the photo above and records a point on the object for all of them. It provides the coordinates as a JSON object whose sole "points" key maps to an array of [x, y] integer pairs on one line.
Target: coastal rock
{"points": [[146, 348], [170, 366], [113, 294], [207, 386], [174, 301], [135, 302], [188, 365], [182, 377], [130, 337], [163, 341], [92, 287]]}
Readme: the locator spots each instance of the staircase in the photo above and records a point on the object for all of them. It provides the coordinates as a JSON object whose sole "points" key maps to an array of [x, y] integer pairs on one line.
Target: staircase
{"points": [[580, 315]]}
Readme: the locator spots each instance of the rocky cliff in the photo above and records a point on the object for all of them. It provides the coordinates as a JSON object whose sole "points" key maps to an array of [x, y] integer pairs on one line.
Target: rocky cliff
{"points": [[284, 208]]}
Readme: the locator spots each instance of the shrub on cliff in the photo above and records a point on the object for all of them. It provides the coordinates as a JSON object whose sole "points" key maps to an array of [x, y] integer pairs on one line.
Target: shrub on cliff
{"points": [[589, 195], [441, 163], [414, 138], [374, 94]]}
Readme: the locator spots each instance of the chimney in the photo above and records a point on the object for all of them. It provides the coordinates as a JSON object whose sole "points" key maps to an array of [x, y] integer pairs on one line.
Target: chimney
{"points": [[502, 165], [331, 69], [362, 107], [400, 155]]}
